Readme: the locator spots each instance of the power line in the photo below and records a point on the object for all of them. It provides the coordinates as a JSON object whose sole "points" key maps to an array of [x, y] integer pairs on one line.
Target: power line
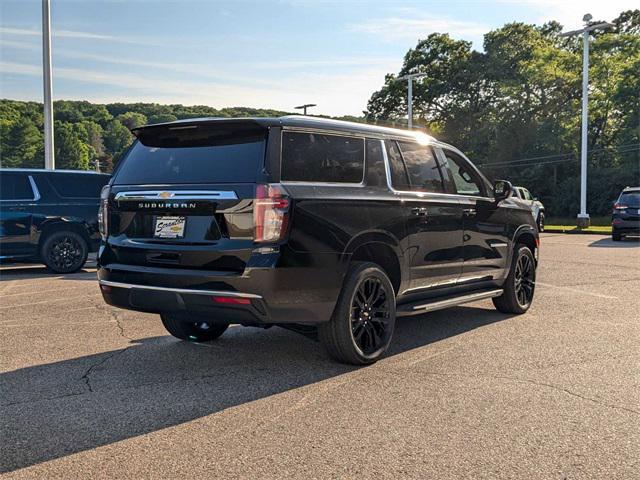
{"points": [[546, 162], [619, 149]]}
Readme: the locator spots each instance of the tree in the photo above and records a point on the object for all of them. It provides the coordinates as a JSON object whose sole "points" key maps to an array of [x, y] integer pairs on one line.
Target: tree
{"points": [[132, 119], [70, 151]]}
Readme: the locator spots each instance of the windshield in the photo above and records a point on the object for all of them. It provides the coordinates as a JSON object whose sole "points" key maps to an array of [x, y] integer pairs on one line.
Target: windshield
{"points": [[194, 154], [631, 199]]}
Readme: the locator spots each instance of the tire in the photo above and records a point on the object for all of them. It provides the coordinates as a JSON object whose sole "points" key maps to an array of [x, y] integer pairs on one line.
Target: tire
{"points": [[64, 251], [541, 222], [192, 329], [362, 324], [616, 237], [520, 284]]}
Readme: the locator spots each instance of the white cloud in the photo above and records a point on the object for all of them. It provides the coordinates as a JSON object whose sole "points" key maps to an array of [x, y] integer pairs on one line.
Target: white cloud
{"points": [[76, 34], [334, 94], [414, 26], [569, 12]]}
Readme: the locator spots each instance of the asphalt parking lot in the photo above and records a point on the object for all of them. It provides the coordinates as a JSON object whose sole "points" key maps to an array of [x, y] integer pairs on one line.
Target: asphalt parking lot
{"points": [[88, 391]]}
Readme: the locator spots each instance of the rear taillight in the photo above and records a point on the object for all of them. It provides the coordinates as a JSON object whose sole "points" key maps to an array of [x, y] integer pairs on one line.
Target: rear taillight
{"points": [[103, 212], [270, 213], [620, 206]]}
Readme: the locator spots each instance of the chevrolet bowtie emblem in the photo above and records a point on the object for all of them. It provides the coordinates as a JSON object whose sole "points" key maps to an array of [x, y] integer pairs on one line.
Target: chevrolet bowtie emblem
{"points": [[165, 194]]}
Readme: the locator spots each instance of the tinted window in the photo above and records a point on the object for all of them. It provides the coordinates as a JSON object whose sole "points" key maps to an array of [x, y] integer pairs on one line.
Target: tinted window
{"points": [[78, 186], [631, 199], [399, 179], [194, 154], [465, 180], [422, 167], [15, 186], [312, 157], [376, 174]]}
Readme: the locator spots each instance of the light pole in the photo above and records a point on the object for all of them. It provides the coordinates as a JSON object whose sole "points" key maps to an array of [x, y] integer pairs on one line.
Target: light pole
{"points": [[305, 106], [49, 157], [409, 78], [583, 216]]}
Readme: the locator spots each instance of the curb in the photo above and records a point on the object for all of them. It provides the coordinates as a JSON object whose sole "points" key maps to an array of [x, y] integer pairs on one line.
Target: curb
{"points": [[575, 230]]}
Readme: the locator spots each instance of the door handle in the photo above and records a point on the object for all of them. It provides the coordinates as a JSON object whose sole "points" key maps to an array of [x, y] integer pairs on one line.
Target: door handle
{"points": [[468, 212], [420, 211], [17, 209]]}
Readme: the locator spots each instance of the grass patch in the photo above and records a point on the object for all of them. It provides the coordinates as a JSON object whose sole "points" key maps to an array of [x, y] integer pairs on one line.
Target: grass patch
{"points": [[599, 221], [601, 230]]}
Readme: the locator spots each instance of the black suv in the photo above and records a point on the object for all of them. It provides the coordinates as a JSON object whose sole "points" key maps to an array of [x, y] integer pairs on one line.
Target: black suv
{"points": [[625, 219], [304, 222], [49, 216]]}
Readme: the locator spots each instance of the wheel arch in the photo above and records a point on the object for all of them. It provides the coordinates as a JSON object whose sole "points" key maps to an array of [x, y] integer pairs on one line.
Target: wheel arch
{"points": [[61, 224], [381, 249]]}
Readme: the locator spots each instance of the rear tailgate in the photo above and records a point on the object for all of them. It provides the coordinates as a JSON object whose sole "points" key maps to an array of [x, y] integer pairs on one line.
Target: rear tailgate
{"points": [[183, 197]]}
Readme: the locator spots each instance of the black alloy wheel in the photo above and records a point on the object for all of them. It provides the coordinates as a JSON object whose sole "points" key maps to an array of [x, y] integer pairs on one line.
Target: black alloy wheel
{"points": [[524, 280], [370, 316], [362, 324], [519, 287], [64, 252]]}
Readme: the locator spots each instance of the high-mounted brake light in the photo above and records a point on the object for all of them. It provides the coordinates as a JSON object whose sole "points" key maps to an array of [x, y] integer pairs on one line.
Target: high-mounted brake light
{"points": [[620, 206], [270, 212], [103, 212]]}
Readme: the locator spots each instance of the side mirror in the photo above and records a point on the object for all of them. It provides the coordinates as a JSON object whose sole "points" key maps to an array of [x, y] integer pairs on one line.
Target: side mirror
{"points": [[501, 189]]}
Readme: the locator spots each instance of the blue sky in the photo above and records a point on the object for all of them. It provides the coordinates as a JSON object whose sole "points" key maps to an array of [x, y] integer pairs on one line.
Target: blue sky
{"points": [[267, 54]]}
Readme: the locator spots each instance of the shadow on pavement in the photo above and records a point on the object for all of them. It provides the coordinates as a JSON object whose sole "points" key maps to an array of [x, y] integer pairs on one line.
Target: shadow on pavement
{"points": [[31, 272], [626, 242], [160, 382]]}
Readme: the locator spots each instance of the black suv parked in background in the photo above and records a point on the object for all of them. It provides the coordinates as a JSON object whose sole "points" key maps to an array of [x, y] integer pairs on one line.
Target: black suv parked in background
{"points": [[49, 216], [625, 219], [299, 221]]}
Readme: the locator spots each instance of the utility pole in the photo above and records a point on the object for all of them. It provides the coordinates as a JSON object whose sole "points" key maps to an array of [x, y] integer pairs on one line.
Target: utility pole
{"points": [[583, 217], [305, 106], [49, 157], [409, 78]]}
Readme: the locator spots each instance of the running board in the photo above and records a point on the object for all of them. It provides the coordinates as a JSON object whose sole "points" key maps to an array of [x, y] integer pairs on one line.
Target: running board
{"points": [[419, 307]]}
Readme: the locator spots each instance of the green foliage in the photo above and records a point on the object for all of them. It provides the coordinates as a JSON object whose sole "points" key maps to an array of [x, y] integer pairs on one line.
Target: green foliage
{"points": [[88, 135], [520, 99]]}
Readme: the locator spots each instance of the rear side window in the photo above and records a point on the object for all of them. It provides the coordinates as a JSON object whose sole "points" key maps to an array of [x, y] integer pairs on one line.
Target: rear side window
{"points": [[15, 186], [176, 154], [399, 179], [376, 175], [422, 167], [313, 157], [78, 186]]}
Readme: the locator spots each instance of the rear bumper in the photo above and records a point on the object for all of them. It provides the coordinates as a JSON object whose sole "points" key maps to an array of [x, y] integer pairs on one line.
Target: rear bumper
{"points": [[621, 226], [281, 294]]}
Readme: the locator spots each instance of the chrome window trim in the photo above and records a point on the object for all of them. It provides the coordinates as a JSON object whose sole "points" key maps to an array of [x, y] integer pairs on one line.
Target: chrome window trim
{"points": [[426, 195], [34, 190], [417, 195], [216, 293], [173, 195], [325, 132]]}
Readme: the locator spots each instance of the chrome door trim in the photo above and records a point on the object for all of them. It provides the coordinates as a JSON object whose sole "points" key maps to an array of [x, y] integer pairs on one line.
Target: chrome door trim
{"points": [[175, 195]]}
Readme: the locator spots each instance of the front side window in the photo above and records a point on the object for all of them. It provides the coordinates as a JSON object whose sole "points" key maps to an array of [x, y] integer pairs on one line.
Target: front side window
{"points": [[321, 158], [464, 179], [15, 186], [422, 167]]}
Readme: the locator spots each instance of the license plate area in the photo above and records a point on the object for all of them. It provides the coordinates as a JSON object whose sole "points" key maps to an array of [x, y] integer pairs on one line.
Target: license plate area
{"points": [[169, 227]]}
